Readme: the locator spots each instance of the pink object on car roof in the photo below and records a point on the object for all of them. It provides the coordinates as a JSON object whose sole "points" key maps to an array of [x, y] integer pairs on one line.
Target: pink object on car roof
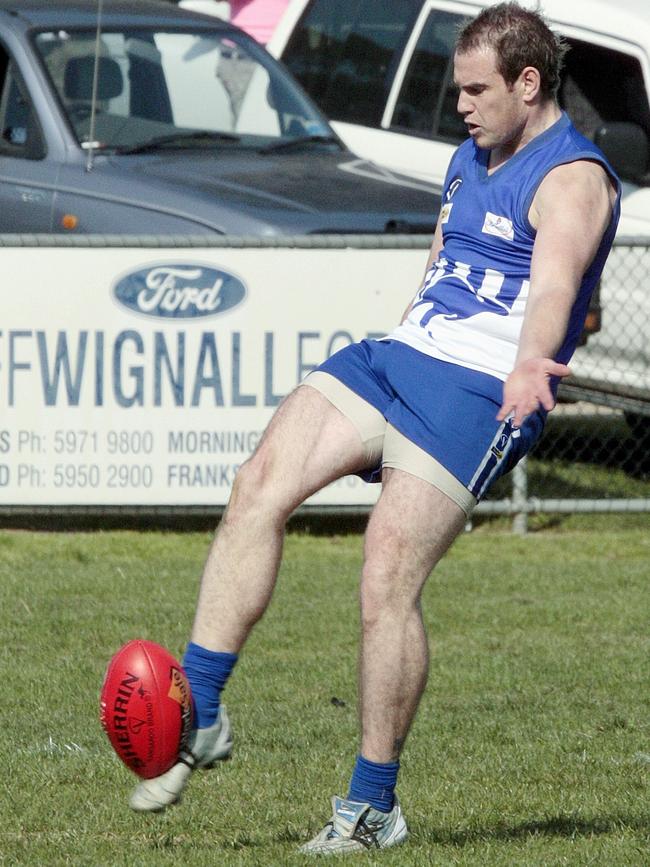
{"points": [[257, 17]]}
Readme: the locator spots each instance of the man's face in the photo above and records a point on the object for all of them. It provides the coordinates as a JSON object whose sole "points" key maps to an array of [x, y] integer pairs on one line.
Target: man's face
{"points": [[493, 112]]}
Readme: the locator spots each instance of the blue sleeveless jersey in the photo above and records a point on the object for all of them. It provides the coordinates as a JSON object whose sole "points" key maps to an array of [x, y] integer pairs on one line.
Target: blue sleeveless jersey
{"points": [[470, 308]]}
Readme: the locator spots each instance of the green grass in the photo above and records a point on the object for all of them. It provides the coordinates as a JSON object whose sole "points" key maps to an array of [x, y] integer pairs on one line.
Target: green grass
{"points": [[532, 745]]}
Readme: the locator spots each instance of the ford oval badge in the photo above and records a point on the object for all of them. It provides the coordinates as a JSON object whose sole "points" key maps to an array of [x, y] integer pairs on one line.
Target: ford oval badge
{"points": [[174, 291]]}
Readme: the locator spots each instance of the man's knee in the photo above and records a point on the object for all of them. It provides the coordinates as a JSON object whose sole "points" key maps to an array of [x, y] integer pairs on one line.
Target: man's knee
{"points": [[387, 589], [257, 487]]}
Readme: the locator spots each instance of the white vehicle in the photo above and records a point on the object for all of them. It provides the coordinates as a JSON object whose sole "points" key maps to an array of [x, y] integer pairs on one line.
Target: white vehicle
{"points": [[383, 73]]}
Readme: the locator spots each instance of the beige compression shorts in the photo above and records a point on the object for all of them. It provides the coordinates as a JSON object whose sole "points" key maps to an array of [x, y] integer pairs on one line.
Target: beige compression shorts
{"points": [[385, 445]]}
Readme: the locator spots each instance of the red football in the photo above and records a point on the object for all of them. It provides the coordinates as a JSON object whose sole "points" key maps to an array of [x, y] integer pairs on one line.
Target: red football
{"points": [[146, 707]]}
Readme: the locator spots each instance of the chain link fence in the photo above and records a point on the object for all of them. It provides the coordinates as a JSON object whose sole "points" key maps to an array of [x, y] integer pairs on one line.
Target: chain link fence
{"points": [[594, 455]]}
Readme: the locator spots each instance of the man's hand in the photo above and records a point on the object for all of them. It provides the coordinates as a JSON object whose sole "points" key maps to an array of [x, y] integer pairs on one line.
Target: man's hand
{"points": [[528, 387]]}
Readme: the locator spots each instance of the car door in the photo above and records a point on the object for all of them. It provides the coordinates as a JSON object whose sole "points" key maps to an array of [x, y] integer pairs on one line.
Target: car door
{"points": [[421, 125], [383, 74], [26, 176]]}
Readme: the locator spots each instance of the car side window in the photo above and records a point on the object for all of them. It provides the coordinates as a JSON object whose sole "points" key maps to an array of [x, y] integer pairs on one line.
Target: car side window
{"points": [[19, 132], [345, 52], [426, 103], [601, 86]]}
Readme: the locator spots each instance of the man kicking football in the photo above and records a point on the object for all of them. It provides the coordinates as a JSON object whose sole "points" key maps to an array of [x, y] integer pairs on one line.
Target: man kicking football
{"points": [[447, 403]]}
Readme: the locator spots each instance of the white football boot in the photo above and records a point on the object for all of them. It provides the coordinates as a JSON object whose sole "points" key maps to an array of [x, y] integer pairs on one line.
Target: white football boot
{"points": [[356, 827], [206, 746]]}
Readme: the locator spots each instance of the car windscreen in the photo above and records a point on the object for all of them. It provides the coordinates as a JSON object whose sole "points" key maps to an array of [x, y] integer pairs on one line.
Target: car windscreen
{"points": [[156, 88]]}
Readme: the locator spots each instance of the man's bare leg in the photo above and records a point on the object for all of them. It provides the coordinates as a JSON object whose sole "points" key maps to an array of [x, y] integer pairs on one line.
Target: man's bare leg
{"points": [[308, 444], [411, 527]]}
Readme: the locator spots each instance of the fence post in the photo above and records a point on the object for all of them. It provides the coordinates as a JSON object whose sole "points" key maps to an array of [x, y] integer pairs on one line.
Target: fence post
{"points": [[520, 498]]}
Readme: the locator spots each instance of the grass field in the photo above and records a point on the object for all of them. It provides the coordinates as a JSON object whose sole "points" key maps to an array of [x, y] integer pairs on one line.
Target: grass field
{"points": [[532, 746]]}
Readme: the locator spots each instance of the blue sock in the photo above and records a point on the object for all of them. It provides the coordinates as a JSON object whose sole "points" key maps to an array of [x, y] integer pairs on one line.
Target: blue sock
{"points": [[373, 783], [207, 672]]}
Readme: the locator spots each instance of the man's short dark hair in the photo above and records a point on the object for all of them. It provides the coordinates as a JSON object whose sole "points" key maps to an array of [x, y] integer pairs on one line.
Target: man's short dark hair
{"points": [[519, 38]]}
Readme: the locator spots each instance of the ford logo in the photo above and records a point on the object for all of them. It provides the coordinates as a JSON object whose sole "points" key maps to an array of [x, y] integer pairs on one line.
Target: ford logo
{"points": [[179, 291]]}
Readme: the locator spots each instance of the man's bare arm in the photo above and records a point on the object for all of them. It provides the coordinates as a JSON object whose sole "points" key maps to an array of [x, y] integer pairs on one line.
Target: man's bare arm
{"points": [[571, 211]]}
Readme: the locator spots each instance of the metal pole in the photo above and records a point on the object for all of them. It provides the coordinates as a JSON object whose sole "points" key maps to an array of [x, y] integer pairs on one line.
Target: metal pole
{"points": [[92, 144], [519, 498]]}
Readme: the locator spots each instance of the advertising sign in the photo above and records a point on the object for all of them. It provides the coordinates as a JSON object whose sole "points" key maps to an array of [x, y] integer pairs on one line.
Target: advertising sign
{"points": [[145, 377]]}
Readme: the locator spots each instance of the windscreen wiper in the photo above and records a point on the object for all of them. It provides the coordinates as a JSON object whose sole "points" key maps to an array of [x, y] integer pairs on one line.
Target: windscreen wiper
{"points": [[288, 143], [178, 138]]}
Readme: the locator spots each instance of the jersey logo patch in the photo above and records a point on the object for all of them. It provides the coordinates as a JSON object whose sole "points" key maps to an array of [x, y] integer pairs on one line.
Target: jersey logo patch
{"points": [[501, 227], [445, 212]]}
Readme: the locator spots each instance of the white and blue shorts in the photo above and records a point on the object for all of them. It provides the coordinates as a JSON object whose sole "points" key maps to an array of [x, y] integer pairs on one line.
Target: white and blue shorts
{"points": [[427, 417]]}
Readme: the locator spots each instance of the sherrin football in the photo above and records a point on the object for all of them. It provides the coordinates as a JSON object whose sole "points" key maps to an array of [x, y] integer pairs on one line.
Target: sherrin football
{"points": [[146, 707]]}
